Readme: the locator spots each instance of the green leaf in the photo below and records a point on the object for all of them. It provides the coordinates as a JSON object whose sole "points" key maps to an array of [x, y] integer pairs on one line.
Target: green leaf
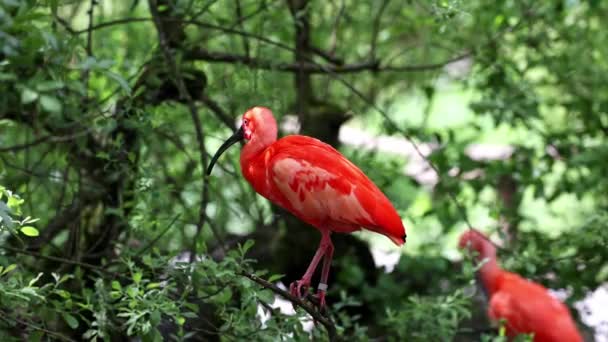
{"points": [[266, 296], [137, 277], [50, 104], [224, 296], [189, 314], [152, 286], [63, 293], [29, 231], [70, 320], [248, 244], [275, 277], [121, 81], [28, 96], [49, 85], [9, 268], [116, 285], [155, 317]]}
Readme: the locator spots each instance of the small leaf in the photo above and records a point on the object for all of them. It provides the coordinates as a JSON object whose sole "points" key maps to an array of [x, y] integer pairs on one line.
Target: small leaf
{"points": [[28, 96], [152, 286], [224, 296], [63, 293], [9, 268], [50, 104], [189, 314], [29, 231], [49, 86], [137, 277], [275, 277], [266, 296], [155, 317], [121, 81], [116, 285], [70, 320], [248, 244]]}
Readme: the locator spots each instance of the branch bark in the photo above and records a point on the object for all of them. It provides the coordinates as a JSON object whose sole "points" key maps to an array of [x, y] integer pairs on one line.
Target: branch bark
{"points": [[316, 315]]}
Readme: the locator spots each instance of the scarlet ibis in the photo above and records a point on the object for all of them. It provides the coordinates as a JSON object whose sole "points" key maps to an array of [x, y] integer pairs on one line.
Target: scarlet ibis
{"points": [[525, 306], [314, 182]]}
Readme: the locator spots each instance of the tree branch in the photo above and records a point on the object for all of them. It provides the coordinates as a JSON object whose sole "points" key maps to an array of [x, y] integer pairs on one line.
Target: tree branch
{"points": [[183, 92], [316, 315], [312, 67], [50, 333]]}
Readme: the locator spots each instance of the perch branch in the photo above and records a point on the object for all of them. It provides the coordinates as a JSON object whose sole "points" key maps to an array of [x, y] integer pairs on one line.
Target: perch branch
{"points": [[316, 315]]}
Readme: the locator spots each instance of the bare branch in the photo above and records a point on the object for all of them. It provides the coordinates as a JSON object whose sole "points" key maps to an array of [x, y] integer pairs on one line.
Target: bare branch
{"points": [[219, 112], [376, 29], [160, 235], [89, 47], [257, 63], [49, 138]]}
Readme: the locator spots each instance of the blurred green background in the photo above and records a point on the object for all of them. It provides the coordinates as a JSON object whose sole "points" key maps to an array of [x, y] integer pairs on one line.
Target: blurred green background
{"points": [[110, 231]]}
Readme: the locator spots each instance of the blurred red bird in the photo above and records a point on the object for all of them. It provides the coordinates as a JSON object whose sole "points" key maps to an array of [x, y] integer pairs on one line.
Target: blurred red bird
{"points": [[526, 307], [315, 183]]}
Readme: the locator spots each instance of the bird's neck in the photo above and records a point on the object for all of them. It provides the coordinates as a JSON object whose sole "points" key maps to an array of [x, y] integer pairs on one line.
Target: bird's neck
{"points": [[253, 162], [254, 148], [490, 271]]}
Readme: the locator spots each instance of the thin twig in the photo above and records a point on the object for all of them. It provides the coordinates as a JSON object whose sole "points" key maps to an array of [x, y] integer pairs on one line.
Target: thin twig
{"points": [[376, 29], [155, 240], [57, 259], [310, 67], [227, 119], [198, 127], [50, 137], [54, 334], [239, 14], [89, 47]]}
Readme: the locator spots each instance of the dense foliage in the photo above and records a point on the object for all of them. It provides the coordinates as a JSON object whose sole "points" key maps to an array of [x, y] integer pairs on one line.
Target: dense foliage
{"points": [[109, 111]]}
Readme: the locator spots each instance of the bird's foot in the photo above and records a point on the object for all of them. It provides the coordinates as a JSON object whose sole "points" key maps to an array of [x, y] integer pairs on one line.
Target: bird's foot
{"points": [[299, 288]]}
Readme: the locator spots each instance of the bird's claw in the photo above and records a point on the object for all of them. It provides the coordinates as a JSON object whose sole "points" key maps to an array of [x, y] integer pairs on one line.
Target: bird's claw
{"points": [[299, 288]]}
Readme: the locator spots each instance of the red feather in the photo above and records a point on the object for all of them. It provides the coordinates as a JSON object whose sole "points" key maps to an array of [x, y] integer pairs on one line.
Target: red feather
{"points": [[527, 307]]}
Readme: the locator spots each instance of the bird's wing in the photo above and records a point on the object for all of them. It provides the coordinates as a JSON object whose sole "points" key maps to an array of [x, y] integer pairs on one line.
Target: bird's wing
{"points": [[529, 308], [324, 188], [502, 306]]}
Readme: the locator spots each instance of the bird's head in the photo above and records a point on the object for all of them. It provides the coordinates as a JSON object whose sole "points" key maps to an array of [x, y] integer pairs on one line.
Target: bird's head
{"points": [[259, 123], [258, 127], [475, 241]]}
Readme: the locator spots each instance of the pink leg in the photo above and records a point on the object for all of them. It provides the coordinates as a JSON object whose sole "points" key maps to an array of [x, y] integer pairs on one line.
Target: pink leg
{"points": [[322, 289], [296, 287]]}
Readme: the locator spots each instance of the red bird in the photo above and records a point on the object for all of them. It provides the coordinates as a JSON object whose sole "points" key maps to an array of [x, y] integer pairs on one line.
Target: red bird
{"points": [[526, 307], [315, 183]]}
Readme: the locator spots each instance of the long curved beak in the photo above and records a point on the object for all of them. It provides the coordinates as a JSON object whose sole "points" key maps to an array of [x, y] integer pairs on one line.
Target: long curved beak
{"points": [[236, 137]]}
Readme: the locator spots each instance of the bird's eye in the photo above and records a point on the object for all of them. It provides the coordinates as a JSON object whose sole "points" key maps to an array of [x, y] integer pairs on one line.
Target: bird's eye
{"points": [[245, 121]]}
